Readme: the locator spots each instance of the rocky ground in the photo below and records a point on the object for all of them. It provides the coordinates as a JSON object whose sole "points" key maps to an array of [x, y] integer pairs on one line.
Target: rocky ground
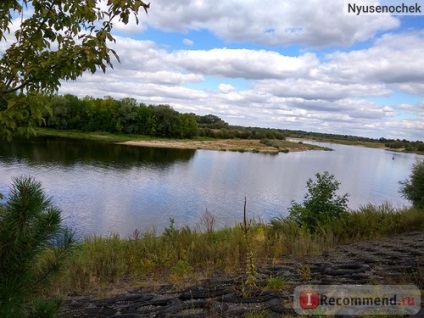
{"points": [[395, 260]]}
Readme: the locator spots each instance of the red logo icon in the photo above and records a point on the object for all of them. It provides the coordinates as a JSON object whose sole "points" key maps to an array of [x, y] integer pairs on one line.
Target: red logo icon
{"points": [[309, 299]]}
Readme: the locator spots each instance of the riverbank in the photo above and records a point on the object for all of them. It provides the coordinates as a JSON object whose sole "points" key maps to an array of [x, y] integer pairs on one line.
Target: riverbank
{"points": [[272, 146], [379, 261], [368, 144], [242, 145], [184, 256]]}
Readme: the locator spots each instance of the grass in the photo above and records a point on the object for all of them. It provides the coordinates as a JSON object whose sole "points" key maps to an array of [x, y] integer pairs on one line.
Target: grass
{"points": [[276, 283], [181, 254], [373, 222]]}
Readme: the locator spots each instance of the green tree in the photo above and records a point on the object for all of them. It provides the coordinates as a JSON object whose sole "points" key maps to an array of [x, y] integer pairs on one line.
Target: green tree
{"points": [[127, 117], [321, 204], [166, 119], [60, 113], [33, 245], [60, 40], [145, 119], [413, 188], [187, 126], [211, 121]]}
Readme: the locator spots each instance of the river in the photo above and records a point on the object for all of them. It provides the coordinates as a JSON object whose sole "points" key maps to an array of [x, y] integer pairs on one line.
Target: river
{"points": [[105, 188]]}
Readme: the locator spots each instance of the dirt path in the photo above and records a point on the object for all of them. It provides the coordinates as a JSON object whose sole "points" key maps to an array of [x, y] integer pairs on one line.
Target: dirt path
{"points": [[395, 260]]}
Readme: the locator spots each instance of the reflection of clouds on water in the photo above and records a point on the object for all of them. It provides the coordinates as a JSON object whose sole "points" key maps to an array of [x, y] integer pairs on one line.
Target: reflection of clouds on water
{"points": [[126, 192]]}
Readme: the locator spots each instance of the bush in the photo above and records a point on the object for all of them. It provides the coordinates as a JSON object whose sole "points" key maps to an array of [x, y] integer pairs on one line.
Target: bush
{"points": [[413, 188], [33, 245], [269, 143], [321, 204]]}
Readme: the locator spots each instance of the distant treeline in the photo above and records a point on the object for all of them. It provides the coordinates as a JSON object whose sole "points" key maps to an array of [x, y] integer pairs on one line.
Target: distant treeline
{"points": [[124, 116], [215, 127], [127, 116], [403, 144]]}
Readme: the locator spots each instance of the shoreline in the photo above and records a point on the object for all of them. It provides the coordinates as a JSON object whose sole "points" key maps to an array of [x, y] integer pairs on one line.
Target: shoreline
{"points": [[364, 262], [220, 145], [240, 145], [270, 146]]}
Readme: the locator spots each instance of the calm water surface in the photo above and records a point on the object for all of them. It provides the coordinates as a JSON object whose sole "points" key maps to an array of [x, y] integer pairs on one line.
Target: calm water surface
{"points": [[106, 188]]}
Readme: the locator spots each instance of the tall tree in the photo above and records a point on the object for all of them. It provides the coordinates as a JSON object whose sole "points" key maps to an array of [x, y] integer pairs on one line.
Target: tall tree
{"points": [[59, 40]]}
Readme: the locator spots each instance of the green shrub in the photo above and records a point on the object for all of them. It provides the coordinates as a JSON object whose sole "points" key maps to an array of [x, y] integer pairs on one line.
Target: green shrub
{"points": [[269, 143], [413, 189], [321, 204], [33, 245]]}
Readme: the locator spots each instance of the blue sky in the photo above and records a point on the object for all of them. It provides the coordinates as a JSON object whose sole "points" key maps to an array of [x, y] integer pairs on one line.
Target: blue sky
{"points": [[285, 64]]}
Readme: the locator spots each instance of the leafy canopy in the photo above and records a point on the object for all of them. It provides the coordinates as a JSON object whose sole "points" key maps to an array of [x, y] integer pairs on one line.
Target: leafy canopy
{"points": [[413, 188], [321, 204], [59, 40]]}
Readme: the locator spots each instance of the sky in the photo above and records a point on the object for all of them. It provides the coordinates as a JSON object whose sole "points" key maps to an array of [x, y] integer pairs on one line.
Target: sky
{"points": [[303, 65]]}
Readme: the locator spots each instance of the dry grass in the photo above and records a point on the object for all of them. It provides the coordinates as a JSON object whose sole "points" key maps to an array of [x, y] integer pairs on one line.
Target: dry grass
{"points": [[181, 255]]}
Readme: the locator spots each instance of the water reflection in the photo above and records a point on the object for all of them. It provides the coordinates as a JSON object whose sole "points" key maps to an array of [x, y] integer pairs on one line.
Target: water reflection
{"points": [[68, 152], [105, 188]]}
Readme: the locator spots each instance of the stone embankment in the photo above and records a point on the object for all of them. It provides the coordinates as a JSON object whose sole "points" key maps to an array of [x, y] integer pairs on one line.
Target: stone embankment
{"points": [[395, 260]]}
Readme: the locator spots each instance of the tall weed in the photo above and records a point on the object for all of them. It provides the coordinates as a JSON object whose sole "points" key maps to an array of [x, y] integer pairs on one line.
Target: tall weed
{"points": [[179, 252]]}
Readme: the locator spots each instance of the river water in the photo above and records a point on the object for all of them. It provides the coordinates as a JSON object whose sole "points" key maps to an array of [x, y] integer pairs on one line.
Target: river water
{"points": [[105, 188]]}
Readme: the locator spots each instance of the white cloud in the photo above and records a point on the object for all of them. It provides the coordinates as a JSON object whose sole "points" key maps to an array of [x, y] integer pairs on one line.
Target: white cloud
{"points": [[315, 89], [243, 63], [270, 22], [188, 42], [394, 58], [226, 88], [413, 88], [416, 111], [292, 92]]}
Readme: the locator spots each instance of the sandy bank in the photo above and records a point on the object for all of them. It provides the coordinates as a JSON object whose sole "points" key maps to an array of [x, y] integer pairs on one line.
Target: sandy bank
{"points": [[242, 145], [221, 144]]}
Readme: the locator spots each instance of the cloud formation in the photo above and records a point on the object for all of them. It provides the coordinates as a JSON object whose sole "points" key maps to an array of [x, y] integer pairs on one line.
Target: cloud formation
{"points": [[270, 22], [330, 84], [287, 89]]}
